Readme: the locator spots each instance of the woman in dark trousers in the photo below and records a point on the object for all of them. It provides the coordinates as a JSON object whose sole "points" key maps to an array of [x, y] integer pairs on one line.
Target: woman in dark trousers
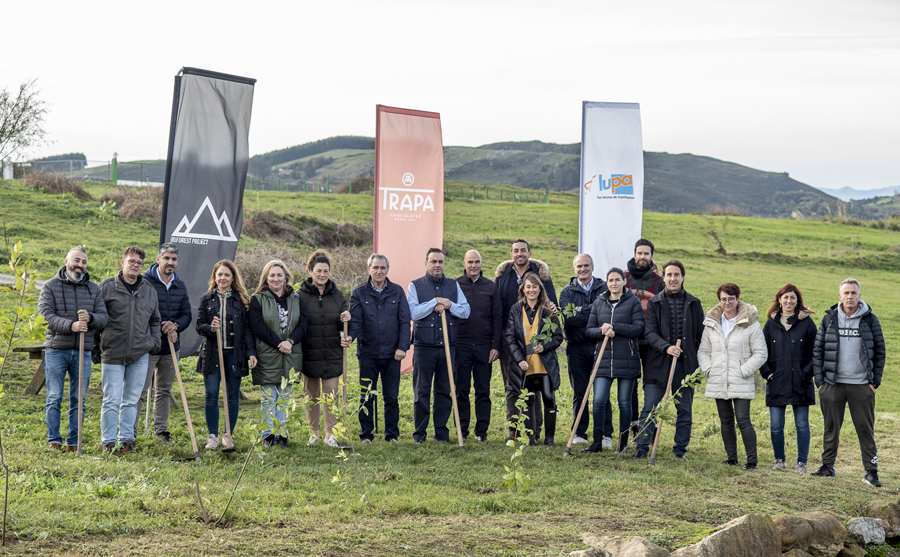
{"points": [[278, 319], [616, 314], [534, 366], [322, 350], [790, 334], [224, 307]]}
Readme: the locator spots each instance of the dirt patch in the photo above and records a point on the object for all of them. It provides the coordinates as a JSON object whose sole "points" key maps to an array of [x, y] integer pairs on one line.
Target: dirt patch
{"points": [[136, 202], [348, 264], [268, 226], [56, 184]]}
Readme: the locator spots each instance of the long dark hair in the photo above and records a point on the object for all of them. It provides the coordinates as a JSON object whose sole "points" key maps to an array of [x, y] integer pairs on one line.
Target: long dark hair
{"points": [[775, 308], [237, 284]]}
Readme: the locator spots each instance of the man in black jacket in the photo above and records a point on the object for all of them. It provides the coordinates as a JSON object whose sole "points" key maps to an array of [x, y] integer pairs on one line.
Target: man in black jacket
{"points": [[379, 321], [848, 362], [672, 314], [508, 277], [71, 304], [478, 345], [175, 313], [581, 292]]}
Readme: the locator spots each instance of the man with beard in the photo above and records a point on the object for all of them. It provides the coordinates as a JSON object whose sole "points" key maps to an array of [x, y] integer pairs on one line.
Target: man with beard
{"points": [[175, 313], [644, 280], [429, 297], [71, 304], [582, 291], [672, 315], [508, 277]]}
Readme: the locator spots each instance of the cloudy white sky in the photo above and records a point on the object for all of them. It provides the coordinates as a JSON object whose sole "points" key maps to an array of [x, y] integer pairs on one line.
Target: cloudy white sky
{"points": [[807, 87]]}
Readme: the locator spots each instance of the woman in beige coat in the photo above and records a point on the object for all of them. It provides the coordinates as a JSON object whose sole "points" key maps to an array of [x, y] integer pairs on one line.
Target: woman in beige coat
{"points": [[731, 350]]}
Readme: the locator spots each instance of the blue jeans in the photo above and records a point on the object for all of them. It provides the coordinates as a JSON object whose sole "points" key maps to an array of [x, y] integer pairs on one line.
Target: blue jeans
{"points": [[369, 369], [776, 427], [653, 395], [232, 394], [274, 400], [602, 386], [58, 364], [122, 386]]}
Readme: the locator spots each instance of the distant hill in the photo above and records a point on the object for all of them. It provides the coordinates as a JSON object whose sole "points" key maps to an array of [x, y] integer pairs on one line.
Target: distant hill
{"points": [[848, 193], [675, 183]]}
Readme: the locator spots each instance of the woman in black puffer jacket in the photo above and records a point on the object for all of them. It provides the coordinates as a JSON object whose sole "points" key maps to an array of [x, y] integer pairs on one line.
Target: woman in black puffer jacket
{"points": [[322, 351], [616, 314], [790, 334]]}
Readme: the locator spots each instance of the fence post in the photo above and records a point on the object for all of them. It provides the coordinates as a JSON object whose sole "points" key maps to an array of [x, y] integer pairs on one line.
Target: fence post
{"points": [[115, 169], [487, 193], [547, 198], [526, 197], [501, 194], [328, 183], [473, 193], [460, 191]]}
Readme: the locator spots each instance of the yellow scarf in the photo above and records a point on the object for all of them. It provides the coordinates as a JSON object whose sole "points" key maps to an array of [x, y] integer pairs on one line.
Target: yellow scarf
{"points": [[535, 365]]}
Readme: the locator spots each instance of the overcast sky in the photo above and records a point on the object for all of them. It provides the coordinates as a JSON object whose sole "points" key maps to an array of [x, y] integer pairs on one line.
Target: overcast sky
{"points": [[811, 88]]}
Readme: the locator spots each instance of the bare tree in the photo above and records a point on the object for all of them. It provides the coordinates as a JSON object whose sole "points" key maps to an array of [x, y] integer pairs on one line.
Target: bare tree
{"points": [[21, 119]]}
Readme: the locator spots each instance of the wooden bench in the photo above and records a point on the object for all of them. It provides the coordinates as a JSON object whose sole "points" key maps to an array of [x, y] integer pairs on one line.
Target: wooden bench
{"points": [[35, 352]]}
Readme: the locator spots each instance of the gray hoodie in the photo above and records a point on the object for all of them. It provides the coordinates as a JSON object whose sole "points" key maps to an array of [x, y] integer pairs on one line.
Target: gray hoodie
{"points": [[852, 359]]}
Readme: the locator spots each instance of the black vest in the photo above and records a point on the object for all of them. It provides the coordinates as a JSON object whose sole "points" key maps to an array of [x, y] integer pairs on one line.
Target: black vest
{"points": [[428, 331]]}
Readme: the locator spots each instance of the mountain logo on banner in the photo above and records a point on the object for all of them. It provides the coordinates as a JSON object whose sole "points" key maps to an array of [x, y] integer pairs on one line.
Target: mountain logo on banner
{"points": [[193, 231], [408, 179], [620, 184]]}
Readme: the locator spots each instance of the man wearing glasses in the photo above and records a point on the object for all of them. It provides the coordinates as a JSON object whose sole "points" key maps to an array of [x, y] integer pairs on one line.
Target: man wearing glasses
{"points": [[124, 348], [672, 314]]}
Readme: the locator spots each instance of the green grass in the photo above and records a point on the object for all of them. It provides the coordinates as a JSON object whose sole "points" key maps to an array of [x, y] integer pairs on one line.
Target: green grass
{"points": [[432, 499]]}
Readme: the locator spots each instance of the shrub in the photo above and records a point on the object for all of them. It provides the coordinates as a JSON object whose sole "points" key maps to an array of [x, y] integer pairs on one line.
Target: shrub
{"points": [[56, 184]]}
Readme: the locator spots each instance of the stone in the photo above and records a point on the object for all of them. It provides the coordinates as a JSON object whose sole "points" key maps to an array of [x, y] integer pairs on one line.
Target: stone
{"points": [[866, 530], [852, 551], [751, 534], [816, 533], [632, 546], [796, 553], [889, 513], [592, 552]]}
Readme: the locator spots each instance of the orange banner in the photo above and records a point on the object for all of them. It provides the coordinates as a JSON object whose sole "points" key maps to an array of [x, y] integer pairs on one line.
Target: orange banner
{"points": [[409, 189]]}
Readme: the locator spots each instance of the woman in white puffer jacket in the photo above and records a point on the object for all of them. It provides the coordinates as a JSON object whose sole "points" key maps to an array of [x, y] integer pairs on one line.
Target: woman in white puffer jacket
{"points": [[732, 349]]}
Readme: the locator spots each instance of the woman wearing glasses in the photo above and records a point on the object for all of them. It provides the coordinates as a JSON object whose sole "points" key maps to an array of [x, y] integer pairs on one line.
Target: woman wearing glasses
{"points": [[731, 350]]}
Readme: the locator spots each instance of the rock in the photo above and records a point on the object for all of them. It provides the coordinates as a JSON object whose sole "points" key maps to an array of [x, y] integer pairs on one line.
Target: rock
{"points": [[751, 534], [816, 533], [852, 551], [632, 546], [889, 513], [592, 552], [866, 530], [796, 553]]}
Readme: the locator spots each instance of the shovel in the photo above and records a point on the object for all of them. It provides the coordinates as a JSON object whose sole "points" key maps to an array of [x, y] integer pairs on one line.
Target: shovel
{"points": [[568, 449], [227, 443], [652, 460], [187, 412], [459, 436], [78, 451]]}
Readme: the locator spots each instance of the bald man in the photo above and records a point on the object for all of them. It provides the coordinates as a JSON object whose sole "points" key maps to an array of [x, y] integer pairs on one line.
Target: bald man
{"points": [[478, 346]]}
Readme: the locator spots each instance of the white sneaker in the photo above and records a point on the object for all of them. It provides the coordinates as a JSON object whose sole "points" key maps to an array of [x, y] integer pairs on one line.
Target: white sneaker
{"points": [[607, 442], [779, 464], [331, 441], [313, 439], [579, 439], [212, 442]]}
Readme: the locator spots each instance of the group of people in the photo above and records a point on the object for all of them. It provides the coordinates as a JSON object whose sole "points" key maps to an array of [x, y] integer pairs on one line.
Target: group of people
{"points": [[642, 320]]}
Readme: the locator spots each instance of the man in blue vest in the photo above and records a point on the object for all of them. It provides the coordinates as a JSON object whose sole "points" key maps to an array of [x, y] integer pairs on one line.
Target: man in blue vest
{"points": [[428, 298]]}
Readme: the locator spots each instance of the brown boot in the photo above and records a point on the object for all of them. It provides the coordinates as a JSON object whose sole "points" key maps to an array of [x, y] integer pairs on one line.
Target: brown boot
{"points": [[55, 446], [71, 448]]}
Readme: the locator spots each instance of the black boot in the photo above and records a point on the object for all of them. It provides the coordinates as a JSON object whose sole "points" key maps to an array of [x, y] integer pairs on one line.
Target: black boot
{"points": [[550, 427], [597, 445], [623, 442]]}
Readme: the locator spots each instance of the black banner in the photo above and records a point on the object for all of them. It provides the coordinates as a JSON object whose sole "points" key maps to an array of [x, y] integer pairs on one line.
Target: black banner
{"points": [[206, 169]]}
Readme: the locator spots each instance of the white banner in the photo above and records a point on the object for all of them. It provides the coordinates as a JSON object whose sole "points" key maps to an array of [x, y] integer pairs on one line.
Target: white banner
{"points": [[612, 183]]}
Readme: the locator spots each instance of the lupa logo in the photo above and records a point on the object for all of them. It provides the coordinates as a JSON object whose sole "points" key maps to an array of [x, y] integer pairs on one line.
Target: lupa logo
{"points": [[620, 184], [408, 179], [188, 231]]}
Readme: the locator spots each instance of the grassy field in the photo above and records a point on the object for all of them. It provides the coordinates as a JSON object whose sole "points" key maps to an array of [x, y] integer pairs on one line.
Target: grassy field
{"points": [[432, 499]]}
